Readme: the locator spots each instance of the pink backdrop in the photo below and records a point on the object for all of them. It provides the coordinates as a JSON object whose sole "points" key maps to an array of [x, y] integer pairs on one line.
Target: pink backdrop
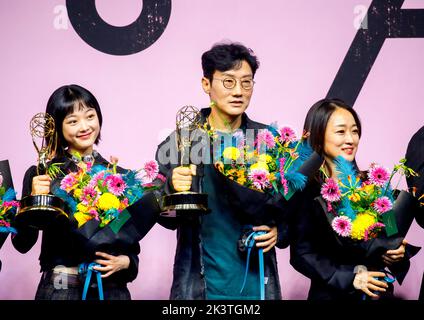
{"points": [[301, 45]]}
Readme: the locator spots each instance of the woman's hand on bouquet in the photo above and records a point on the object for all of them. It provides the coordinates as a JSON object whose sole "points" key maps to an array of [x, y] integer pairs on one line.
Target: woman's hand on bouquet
{"points": [[41, 185], [266, 241], [182, 177], [367, 281], [393, 256], [111, 264]]}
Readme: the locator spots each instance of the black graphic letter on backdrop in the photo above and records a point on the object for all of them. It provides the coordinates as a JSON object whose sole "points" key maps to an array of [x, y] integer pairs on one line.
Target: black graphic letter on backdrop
{"points": [[386, 19], [135, 37]]}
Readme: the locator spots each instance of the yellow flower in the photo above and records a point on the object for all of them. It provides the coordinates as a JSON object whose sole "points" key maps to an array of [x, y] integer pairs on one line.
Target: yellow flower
{"points": [[82, 218], [82, 208], [241, 180], [271, 177], [259, 165], [362, 222], [354, 197], [108, 201], [241, 177], [231, 153], [369, 188], [265, 158], [232, 172], [77, 193]]}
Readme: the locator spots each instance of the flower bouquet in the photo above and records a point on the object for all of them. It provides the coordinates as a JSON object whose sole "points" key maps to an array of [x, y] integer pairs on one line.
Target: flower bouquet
{"points": [[104, 200], [8, 203], [365, 213], [360, 209], [263, 176]]}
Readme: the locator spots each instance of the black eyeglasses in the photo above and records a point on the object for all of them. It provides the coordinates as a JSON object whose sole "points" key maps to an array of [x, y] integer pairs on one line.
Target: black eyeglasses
{"points": [[230, 83]]}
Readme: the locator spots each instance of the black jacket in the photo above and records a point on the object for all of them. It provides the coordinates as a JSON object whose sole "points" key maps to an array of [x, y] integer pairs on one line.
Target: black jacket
{"points": [[328, 260], [415, 160], [65, 244], [3, 237], [188, 275]]}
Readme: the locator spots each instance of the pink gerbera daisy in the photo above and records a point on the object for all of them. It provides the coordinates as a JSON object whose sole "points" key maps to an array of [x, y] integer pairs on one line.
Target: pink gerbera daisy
{"points": [[115, 184], [287, 134], [96, 178], [342, 225], [94, 213], [68, 182], [382, 205], [265, 136], [330, 190], [88, 195], [259, 178], [378, 175], [149, 171], [10, 204]]}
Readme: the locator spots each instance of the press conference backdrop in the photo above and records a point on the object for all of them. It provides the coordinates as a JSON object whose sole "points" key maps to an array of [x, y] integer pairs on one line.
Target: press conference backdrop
{"points": [[141, 59]]}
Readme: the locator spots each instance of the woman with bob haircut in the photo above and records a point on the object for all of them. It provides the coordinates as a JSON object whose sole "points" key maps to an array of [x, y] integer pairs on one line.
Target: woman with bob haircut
{"points": [[78, 121], [339, 268]]}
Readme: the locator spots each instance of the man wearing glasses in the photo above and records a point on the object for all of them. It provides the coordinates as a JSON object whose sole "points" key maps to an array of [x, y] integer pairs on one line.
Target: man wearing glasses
{"points": [[208, 264]]}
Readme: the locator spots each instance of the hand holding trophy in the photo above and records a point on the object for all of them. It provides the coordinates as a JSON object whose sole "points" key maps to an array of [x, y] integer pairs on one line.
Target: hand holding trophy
{"points": [[186, 203], [41, 210]]}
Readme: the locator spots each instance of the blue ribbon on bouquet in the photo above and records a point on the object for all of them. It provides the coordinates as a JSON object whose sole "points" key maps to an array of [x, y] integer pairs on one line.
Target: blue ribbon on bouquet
{"points": [[87, 269], [250, 243]]}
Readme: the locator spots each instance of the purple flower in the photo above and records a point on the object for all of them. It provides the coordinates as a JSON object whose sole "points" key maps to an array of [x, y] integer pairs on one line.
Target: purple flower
{"points": [[378, 175], [342, 225], [382, 205], [287, 134], [330, 190]]}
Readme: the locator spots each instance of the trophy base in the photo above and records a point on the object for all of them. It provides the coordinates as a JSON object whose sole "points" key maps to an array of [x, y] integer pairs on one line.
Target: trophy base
{"points": [[41, 211], [185, 204]]}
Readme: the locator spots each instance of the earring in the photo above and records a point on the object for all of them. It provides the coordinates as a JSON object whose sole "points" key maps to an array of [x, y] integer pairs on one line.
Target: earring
{"points": [[212, 104]]}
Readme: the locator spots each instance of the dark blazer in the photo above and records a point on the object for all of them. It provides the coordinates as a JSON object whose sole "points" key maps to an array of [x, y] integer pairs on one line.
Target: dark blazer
{"points": [[3, 237], [328, 260], [415, 160]]}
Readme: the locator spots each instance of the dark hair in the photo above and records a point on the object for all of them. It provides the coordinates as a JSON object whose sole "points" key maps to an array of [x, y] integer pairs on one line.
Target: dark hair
{"points": [[62, 102], [317, 119], [223, 57]]}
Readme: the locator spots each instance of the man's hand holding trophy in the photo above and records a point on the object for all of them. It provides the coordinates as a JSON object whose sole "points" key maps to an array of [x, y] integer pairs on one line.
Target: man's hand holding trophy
{"points": [[185, 202]]}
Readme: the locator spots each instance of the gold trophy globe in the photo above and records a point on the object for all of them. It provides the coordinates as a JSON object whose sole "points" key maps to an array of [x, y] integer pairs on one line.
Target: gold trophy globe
{"points": [[41, 210], [185, 203]]}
